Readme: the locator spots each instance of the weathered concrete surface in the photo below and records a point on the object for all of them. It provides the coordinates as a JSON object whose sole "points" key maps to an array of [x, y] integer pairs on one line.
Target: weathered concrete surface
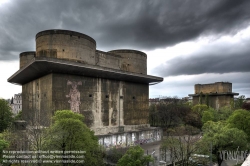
{"points": [[216, 95], [216, 101], [217, 87], [67, 73], [63, 44], [130, 138], [26, 57], [41, 66], [103, 102], [37, 101], [132, 60]]}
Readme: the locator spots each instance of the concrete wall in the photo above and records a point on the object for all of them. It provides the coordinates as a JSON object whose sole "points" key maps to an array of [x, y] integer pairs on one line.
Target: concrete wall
{"points": [[218, 87], [132, 60], [26, 57], [215, 101], [108, 60], [103, 102], [75, 46], [126, 60], [131, 138], [65, 44], [37, 101]]}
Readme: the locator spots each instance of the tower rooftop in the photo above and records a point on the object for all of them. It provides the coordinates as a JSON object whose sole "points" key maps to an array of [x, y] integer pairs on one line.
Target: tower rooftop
{"points": [[41, 66]]}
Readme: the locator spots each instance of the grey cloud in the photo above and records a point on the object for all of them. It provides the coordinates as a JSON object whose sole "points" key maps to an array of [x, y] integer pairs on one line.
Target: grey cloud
{"points": [[218, 58], [173, 86], [239, 80], [166, 23], [119, 24], [205, 64]]}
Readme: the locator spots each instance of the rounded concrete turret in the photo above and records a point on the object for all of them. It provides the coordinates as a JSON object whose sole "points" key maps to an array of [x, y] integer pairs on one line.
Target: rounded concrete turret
{"points": [[65, 44], [132, 60], [26, 57]]}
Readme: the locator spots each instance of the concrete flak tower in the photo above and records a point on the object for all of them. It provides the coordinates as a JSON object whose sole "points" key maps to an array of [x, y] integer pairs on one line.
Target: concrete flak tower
{"points": [[216, 95], [66, 72]]}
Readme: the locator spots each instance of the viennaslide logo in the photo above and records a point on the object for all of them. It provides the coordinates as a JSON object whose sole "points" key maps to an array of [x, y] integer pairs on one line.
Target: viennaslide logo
{"points": [[234, 155]]}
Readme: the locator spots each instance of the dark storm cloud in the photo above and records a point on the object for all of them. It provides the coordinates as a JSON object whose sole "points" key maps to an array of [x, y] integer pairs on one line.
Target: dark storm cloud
{"points": [[157, 24], [119, 24], [218, 57], [206, 63]]}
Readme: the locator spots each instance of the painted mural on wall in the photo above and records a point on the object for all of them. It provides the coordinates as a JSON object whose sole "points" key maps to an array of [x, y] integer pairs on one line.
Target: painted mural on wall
{"points": [[74, 96]]}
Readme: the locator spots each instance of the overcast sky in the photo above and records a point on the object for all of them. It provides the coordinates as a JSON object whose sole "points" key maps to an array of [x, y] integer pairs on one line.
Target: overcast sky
{"points": [[187, 41]]}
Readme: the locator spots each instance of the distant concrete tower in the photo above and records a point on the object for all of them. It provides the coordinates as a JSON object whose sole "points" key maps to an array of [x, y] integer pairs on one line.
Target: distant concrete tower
{"points": [[216, 95]]}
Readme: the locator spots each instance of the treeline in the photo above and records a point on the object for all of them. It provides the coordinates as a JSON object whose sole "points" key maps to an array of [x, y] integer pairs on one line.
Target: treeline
{"points": [[173, 112], [224, 129], [67, 135]]}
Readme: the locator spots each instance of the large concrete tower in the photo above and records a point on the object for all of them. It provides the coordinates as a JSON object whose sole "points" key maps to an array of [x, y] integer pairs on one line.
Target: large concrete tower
{"points": [[66, 72]]}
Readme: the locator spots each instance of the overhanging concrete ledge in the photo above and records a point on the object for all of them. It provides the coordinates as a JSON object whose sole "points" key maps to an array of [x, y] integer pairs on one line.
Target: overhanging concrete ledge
{"points": [[214, 94], [42, 66]]}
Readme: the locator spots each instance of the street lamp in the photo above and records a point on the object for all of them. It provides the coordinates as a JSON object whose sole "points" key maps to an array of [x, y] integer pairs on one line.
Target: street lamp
{"points": [[153, 152]]}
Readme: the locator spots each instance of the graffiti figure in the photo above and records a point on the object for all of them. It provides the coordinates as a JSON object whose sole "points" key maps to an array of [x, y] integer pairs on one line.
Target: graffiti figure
{"points": [[74, 96]]}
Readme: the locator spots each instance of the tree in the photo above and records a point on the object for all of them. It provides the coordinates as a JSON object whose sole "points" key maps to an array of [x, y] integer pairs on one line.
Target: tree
{"points": [[5, 115], [199, 109], [153, 115], [207, 116], [223, 113], [240, 119], [69, 133], [11, 102], [168, 114], [18, 116], [163, 114], [134, 157], [114, 154], [170, 144], [210, 114], [246, 106], [239, 102], [3, 145], [193, 119], [222, 137], [171, 112], [181, 145]]}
